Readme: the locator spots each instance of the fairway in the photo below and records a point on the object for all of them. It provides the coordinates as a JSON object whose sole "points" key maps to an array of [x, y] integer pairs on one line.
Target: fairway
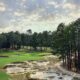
{"points": [[15, 56]]}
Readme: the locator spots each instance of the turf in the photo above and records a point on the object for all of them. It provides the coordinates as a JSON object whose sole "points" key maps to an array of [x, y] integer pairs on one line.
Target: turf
{"points": [[4, 76], [14, 56]]}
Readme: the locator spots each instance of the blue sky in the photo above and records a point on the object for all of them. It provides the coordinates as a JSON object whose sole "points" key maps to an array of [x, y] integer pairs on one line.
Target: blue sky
{"points": [[38, 15]]}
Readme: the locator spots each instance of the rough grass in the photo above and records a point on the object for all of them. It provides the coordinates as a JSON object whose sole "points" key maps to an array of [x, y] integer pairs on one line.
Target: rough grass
{"points": [[4, 76]]}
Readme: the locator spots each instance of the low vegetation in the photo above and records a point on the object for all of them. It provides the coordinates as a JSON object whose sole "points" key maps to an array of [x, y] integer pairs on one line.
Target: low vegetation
{"points": [[4, 76]]}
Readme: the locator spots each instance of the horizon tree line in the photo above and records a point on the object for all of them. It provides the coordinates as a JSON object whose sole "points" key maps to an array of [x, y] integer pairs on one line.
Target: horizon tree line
{"points": [[16, 40]]}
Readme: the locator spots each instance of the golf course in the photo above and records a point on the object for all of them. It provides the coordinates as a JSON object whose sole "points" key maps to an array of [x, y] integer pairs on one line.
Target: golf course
{"points": [[39, 39]]}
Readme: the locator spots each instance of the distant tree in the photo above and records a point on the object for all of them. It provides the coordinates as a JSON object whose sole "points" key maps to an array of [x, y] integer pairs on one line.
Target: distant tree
{"points": [[14, 39], [40, 40], [34, 41], [23, 39], [45, 39], [29, 32], [17, 40], [11, 39], [3, 41]]}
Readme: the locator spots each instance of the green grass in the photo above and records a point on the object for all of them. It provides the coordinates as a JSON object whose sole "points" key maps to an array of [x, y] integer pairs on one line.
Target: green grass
{"points": [[19, 56], [4, 76]]}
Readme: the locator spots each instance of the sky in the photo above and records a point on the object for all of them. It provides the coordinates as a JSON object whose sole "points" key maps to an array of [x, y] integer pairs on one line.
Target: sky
{"points": [[38, 15]]}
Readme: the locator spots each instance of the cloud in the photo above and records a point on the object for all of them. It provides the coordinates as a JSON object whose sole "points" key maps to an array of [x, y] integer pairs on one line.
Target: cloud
{"points": [[69, 6], [54, 3], [2, 7], [23, 0], [37, 15], [75, 14], [17, 13]]}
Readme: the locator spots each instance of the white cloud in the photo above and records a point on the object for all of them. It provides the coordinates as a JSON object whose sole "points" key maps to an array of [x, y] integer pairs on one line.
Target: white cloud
{"points": [[75, 15], [69, 6], [2, 7], [54, 4], [17, 13], [23, 0], [31, 22]]}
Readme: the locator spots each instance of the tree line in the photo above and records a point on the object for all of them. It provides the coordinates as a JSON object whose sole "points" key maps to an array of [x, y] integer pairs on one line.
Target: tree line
{"points": [[66, 41], [16, 40]]}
